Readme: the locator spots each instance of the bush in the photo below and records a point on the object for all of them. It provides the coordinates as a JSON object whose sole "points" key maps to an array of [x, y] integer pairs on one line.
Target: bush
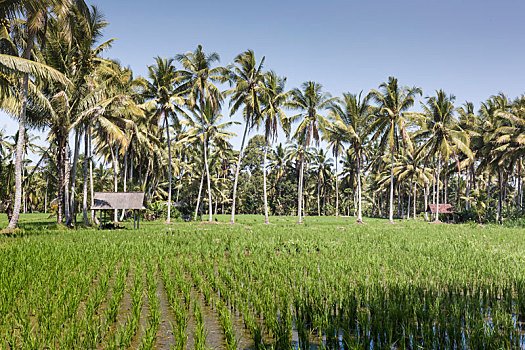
{"points": [[158, 210]]}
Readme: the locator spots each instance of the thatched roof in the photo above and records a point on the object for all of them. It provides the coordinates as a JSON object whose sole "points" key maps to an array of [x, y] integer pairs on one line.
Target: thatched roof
{"points": [[118, 200], [443, 208]]}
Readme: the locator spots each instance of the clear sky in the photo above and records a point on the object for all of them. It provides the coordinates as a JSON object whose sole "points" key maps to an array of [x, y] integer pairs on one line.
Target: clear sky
{"points": [[472, 49]]}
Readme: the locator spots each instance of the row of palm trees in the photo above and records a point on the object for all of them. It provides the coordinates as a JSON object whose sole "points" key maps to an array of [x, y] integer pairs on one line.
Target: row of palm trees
{"points": [[165, 131]]}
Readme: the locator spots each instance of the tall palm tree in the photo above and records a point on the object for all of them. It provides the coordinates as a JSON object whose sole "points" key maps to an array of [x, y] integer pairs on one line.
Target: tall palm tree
{"points": [[36, 14], [278, 164], [272, 117], [350, 121], [322, 165], [197, 81], [336, 136], [166, 101], [442, 139], [248, 78], [207, 125], [310, 101], [389, 122]]}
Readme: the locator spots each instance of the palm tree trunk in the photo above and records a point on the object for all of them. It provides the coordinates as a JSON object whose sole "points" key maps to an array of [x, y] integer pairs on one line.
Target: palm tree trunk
{"points": [[467, 188], [145, 181], [437, 186], [60, 164], [391, 214], [500, 197], [266, 217], [94, 218], [415, 197], [427, 191], [319, 195], [336, 187], [359, 195], [300, 192], [19, 153], [237, 171], [488, 197], [199, 197], [85, 180], [169, 165], [445, 185], [73, 176], [520, 189], [45, 195], [210, 202], [125, 179], [115, 176], [66, 177], [132, 165], [409, 201]]}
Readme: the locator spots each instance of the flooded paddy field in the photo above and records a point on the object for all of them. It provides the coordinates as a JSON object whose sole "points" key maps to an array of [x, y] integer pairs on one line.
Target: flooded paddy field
{"points": [[325, 284]]}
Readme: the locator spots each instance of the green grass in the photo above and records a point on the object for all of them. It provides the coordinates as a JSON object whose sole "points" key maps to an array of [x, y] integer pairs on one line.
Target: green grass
{"points": [[329, 282]]}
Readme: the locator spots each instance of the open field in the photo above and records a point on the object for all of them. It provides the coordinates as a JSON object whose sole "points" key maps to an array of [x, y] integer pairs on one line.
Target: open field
{"points": [[200, 286]]}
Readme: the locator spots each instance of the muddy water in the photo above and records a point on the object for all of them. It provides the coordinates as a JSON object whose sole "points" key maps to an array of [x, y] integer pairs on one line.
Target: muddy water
{"points": [[242, 334], [215, 338], [165, 338]]}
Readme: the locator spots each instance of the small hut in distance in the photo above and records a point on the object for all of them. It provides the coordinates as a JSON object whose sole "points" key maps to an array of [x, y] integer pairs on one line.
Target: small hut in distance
{"points": [[119, 200], [443, 209]]}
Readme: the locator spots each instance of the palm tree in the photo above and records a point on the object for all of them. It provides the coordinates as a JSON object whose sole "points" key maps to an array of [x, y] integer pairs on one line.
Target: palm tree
{"points": [[350, 118], [166, 101], [389, 122], [248, 78], [310, 101], [442, 139], [197, 82], [278, 164], [36, 14], [207, 127], [272, 117], [323, 167], [300, 155], [336, 135]]}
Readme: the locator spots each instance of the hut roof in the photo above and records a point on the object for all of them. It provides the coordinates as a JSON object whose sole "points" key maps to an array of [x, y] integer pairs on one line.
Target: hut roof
{"points": [[443, 208], [118, 200]]}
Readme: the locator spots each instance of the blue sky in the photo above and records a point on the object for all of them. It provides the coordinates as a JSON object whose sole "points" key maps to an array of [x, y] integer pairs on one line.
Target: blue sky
{"points": [[472, 49]]}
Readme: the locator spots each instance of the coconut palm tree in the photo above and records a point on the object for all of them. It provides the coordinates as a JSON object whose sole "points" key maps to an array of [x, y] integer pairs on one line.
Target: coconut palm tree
{"points": [[350, 122], [278, 164], [443, 140], [207, 127], [36, 14], [388, 122], [310, 101], [322, 166], [247, 79], [273, 117], [198, 79], [299, 155], [166, 100]]}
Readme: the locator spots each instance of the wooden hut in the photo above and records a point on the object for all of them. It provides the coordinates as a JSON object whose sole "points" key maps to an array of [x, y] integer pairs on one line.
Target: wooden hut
{"points": [[443, 209], [119, 200]]}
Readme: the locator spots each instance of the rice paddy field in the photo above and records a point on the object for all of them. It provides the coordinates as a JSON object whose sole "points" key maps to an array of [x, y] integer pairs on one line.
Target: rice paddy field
{"points": [[326, 284]]}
